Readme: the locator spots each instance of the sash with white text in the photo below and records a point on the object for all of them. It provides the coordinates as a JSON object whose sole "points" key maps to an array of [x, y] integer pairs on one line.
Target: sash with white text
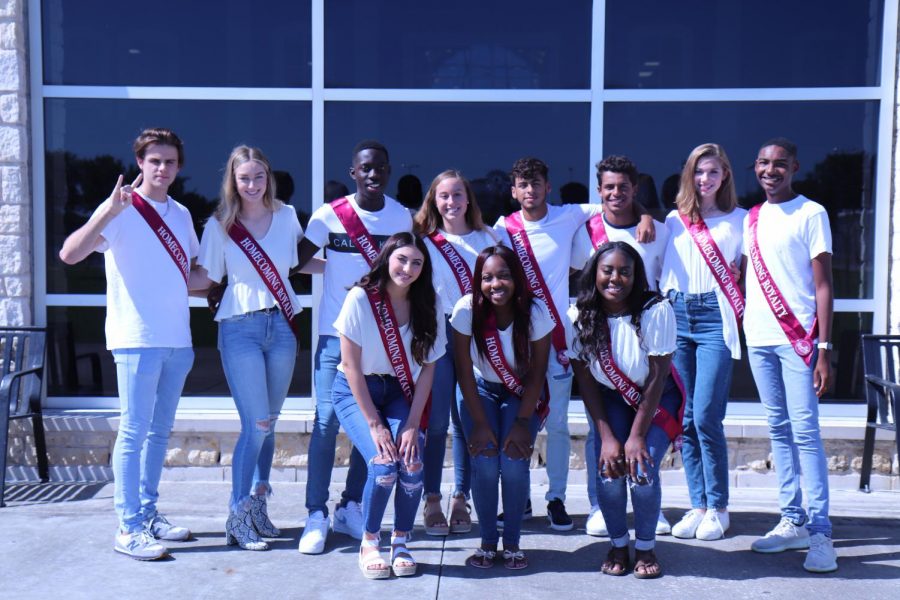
{"points": [[797, 336], [165, 235], [522, 246], [267, 271], [457, 264], [359, 235], [717, 263], [596, 230]]}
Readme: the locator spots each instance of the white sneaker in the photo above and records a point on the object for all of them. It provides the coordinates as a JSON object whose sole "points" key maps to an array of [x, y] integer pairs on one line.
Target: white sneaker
{"points": [[662, 525], [349, 520], [686, 528], [595, 525], [785, 536], [314, 534], [713, 526], [821, 557], [140, 545]]}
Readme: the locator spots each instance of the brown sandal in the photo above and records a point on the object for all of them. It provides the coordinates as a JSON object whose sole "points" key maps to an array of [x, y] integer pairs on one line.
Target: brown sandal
{"points": [[617, 562], [644, 561], [435, 522], [460, 515]]}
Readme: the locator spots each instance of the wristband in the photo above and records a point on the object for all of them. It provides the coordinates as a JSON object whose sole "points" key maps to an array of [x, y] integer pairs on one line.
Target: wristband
{"points": [[825, 346]]}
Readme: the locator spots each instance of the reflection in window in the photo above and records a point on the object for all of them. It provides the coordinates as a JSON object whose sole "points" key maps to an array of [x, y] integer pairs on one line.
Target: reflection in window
{"points": [[85, 154], [196, 43], [837, 153], [466, 44], [766, 43]]}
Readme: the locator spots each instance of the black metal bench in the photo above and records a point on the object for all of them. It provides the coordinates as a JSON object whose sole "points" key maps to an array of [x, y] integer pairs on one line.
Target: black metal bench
{"points": [[23, 352], [881, 361]]}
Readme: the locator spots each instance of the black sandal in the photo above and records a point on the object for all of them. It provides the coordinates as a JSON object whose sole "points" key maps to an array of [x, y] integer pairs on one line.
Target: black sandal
{"points": [[617, 562]]}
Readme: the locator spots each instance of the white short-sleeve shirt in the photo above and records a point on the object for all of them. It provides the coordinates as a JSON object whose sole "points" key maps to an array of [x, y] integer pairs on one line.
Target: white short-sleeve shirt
{"points": [[146, 295], [246, 291], [469, 246], [344, 264], [356, 322], [790, 235], [659, 334], [461, 321]]}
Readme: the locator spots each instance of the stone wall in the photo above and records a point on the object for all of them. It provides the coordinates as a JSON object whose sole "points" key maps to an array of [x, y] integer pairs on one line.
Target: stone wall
{"points": [[15, 198]]}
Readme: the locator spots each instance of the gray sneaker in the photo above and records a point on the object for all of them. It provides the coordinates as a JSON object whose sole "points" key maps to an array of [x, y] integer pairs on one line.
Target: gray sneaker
{"points": [[785, 536], [160, 528], [139, 546]]}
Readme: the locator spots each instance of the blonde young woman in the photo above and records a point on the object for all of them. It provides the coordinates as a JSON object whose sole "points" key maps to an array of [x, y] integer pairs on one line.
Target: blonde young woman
{"points": [[450, 222], [700, 277], [256, 341]]}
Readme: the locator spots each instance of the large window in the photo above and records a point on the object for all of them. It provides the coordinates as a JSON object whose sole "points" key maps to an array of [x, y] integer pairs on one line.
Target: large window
{"points": [[471, 85]]}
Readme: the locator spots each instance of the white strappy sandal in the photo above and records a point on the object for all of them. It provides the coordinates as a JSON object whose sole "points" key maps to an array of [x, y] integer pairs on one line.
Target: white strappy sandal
{"points": [[399, 555], [372, 564]]}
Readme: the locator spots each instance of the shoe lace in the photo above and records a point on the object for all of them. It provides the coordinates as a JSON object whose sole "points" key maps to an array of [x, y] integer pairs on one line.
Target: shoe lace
{"points": [[142, 538], [785, 527], [159, 519]]}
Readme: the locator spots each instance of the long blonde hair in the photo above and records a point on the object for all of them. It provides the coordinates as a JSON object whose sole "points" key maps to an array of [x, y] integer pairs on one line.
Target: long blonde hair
{"points": [[229, 200], [428, 219], [688, 199]]}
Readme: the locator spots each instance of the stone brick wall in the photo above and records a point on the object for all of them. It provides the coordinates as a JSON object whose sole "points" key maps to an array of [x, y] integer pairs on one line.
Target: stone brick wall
{"points": [[15, 198]]}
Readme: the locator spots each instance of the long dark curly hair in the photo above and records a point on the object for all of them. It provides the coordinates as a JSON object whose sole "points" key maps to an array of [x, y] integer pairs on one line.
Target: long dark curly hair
{"points": [[590, 326], [422, 299], [521, 305]]}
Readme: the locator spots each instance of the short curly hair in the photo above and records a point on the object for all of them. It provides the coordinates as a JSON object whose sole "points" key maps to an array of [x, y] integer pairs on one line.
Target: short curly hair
{"points": [[528, 168], [617, 164]]}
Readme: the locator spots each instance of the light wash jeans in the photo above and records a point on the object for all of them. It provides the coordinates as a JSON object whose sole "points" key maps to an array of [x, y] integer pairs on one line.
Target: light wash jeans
{"points": [[392, 407], [150, 381], [785, 387], [559, 382], [323, 439], [704, 363], [258, 352], [501, 409]]}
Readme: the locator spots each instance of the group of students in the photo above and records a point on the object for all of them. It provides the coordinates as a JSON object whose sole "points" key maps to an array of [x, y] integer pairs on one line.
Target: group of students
{"points": [[442, 319]]}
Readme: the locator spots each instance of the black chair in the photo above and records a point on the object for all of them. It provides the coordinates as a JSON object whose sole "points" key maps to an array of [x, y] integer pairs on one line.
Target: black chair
{"points": [[23, 351], [881, 361]]}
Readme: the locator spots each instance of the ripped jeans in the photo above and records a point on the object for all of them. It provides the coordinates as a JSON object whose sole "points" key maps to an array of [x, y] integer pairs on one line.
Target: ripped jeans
{"points": [[258, 352], [408, 479]]}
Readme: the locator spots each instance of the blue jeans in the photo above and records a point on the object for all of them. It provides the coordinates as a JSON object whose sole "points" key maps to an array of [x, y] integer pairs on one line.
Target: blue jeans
{"points": [[150, 381], [559, 382], [323, 440], [392, 407], [613, 493], [704, 451], [786, 391], [501, 409], [258, 352]]}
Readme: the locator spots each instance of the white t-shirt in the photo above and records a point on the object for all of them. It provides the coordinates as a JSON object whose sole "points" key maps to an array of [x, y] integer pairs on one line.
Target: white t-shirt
{"points": [[246, 291], [790, 235], [685, 270], [146, 296], [356, 322], [651, 254], [461, 321], [345, 265], [469, 246], [551, 243], [659, 334]]}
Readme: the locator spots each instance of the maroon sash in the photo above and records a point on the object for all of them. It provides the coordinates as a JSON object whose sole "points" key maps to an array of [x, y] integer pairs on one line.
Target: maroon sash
{"points": [[266, 269], [393, 346], [522, 246], [717, 263], [457, 264], [506, 374], [165, 235], [797, 336], [596, 230], [358, 233]]}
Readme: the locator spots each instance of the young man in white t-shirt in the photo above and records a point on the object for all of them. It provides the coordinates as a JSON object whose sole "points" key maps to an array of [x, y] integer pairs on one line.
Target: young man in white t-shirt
{"points": [[147, 330], [382, 216], [793, 277], [617, 186]]}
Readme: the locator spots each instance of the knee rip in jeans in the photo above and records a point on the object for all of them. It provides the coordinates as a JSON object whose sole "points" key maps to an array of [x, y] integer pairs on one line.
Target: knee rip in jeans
{"points": [[388, 476], [266, 425], [414, 470]]}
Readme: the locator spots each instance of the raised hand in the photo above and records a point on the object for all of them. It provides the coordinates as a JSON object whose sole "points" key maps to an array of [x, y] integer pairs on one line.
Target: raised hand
{"points": [[120, 199]]}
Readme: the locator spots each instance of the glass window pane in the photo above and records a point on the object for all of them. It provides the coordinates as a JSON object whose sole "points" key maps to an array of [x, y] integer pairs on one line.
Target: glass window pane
{"points": [[482, 140], [765, 43], [80, 364], [196, 43], [85, 154], [837, 144], [463, 44]]}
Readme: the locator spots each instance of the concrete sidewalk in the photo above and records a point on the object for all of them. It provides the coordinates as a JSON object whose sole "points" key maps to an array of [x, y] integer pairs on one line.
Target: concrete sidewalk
{"points": [[56, 542]]}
